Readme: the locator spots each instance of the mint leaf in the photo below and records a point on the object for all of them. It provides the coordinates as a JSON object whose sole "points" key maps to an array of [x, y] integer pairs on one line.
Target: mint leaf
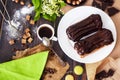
{"points": [[62, 4], [36, 3], [48, 9], [37, 16], [50, 18]]}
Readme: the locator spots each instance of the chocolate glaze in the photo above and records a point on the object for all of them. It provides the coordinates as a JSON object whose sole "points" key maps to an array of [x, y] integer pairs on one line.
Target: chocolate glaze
{"points": [[89, 25], [97, 40]]}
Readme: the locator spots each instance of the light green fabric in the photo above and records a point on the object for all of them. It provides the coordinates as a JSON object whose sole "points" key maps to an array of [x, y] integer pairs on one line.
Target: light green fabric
{"points": [[28, 68]]}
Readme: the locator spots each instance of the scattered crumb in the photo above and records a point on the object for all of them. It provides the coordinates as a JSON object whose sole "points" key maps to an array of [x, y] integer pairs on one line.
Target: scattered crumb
{"points": [[16, 1], [29, 5], [27, 30], [28, 17], [11, 42], [22, 3], [32, 22], [23, 41], [30, 40]]}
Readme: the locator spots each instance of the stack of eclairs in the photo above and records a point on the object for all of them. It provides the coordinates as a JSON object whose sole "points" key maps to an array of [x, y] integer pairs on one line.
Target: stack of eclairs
{"points": [[89, 35]]}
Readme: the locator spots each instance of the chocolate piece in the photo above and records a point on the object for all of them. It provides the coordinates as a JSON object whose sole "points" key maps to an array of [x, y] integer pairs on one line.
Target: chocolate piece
{"points": [[103, 74], [102, 4], [112, 11], [96, 4], [89, 25], [111, 72], [75, 2], [95, 41], [50, 70], [108, 2]]}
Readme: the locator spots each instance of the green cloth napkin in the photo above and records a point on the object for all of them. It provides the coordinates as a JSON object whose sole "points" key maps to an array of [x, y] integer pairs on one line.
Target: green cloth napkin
{"points": [[28, 68]]}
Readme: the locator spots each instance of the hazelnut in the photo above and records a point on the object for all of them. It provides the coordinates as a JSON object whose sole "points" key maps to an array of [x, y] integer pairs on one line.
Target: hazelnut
{"points": [[29, 5], [22, 3], [77, 2], [16, 1], [69, 1], [74, 2]]}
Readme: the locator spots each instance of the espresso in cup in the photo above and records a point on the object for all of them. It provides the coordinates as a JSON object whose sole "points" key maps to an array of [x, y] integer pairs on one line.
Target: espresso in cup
{"points": [[45, 30]]}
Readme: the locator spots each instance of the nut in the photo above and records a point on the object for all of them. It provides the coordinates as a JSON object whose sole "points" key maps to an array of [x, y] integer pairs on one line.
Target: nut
{"points": [[69, 1], [22, 3], [29, 5], [16, 1]]}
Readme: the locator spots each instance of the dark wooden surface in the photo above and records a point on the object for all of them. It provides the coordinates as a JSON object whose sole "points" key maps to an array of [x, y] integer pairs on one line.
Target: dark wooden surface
{"points": [[7, 51]]}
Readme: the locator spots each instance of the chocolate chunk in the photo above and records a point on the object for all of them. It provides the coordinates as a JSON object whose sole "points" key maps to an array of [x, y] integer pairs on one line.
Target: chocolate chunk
{"points": [[104, 6], [101, 75], [50, 70], [95, 41], [96, 4], [108, 2], [111, 72], [112, 11], [89, 25]]}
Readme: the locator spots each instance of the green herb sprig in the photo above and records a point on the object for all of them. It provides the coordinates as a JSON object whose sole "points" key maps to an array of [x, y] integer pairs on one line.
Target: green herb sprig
{"points": [[48, 9]]}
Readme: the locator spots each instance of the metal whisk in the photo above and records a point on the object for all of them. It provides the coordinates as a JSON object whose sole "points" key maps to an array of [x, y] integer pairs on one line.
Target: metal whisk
{"points": [[9, 19]]}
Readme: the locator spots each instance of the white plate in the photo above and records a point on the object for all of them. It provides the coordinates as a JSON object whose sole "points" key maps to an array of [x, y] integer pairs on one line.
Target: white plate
{"points": [[78, 14]]}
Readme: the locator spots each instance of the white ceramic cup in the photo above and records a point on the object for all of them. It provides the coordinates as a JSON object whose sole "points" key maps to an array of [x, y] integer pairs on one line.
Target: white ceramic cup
{"points": [[50, 28]]}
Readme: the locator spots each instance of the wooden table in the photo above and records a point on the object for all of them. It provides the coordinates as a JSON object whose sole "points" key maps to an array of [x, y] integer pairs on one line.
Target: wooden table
{"points": [[7, 51]]}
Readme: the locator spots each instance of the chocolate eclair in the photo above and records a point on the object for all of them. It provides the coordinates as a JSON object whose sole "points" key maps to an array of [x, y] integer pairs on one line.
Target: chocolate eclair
{"points": [[95, 41], [87, 26]]}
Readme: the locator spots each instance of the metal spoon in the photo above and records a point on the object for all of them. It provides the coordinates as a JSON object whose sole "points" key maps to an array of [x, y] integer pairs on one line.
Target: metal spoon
{"points": [[46, 42]]}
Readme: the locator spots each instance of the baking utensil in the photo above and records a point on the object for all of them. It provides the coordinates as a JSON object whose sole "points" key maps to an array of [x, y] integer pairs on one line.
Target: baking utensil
{"points": [[46, 42]]}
